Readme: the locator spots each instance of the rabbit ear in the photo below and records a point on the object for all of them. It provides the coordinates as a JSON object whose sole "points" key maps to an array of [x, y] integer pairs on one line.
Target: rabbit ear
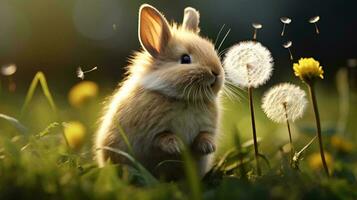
{"points": [[191, 19], [154, 30]]}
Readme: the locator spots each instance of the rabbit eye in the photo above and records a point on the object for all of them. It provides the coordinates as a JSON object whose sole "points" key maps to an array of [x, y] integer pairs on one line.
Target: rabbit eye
{"points": [[185, 59]]}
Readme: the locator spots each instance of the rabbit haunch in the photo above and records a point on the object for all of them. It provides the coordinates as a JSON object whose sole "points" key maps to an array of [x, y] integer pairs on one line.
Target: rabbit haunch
{"points": [[163, 101]]}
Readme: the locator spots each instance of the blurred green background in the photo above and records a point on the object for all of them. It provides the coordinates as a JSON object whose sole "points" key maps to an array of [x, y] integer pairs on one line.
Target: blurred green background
{"points": [[58, 36]]}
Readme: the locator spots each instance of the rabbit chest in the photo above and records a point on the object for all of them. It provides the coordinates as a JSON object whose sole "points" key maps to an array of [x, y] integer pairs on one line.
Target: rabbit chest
{"points": [[189, 120]]}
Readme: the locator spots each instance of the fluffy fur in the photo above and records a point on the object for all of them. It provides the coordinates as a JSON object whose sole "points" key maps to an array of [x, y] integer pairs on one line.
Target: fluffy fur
{"points": [[162, 102]]}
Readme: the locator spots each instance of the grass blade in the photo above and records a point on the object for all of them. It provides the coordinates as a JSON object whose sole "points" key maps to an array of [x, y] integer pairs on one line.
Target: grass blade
{"points": [[21, 128], [146, 175], [193, 179], [39, 77], [126, 140]]}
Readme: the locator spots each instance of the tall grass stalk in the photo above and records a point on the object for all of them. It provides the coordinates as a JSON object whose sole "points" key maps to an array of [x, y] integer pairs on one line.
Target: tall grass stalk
{"points": [[192, 177], [40, 78], [126, 140]]}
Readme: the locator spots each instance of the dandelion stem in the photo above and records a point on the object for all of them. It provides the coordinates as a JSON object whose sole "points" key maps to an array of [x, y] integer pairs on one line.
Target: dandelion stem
{"points": [[255, 34], [94, 68], [251, 106], [282, 32], [291, 55], [318, 125], [316, 28], [292, 151]]}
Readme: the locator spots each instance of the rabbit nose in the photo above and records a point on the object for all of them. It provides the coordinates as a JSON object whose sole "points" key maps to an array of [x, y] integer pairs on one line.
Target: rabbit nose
{"points": [[215, 73], [213, 78]]}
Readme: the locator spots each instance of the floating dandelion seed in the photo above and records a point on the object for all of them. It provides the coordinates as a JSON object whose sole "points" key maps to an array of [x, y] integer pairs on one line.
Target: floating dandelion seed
{"points": [[314, 20], [287, 45], [256, 26], [80, 72], [249, 64], [8, 71], [285, 21], [114, 27]]}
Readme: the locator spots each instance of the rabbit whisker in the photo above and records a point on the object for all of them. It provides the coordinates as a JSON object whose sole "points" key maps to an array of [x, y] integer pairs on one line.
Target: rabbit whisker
{"points": [[219, 33], [224, 38]]}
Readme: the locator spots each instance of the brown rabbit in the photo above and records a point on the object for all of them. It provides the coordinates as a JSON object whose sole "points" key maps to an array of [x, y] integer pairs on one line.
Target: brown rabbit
{"points": [[170, 95]]}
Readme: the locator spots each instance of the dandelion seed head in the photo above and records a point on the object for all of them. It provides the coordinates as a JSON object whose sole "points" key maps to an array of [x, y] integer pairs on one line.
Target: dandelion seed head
{"points": [[80, 73], [248, 64], [8, 70], [284, 99]]}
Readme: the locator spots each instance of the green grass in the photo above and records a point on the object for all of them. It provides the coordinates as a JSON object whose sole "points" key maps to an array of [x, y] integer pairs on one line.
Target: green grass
{"points": [[38, 164]]}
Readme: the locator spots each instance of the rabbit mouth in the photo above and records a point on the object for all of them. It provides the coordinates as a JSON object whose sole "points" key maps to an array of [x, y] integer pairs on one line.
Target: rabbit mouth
{"points": [[199, 92]]}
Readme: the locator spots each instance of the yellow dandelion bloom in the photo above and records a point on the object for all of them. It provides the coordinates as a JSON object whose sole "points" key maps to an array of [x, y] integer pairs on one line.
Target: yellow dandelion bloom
{"points": [[308, 69], [75, 134], [341, 144], [314, 161], [82, 92]]}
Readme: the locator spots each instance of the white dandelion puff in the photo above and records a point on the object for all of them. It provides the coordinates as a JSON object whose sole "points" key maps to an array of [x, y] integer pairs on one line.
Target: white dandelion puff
{"points": [[114, 27], [80, 73], [256, 27], [287, 45], [284, 102], [248, 64], [314, 20], [285, 21]]}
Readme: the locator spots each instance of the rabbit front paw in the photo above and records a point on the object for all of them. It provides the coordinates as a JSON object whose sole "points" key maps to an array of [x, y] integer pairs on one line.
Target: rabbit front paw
{"points": [[204, 143], [168, 143]]}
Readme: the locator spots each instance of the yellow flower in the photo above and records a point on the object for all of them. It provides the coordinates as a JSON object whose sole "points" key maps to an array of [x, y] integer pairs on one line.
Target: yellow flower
{"points": [[75, 134], [82, 92], [341, 144], [315, 163], [308, 69]]}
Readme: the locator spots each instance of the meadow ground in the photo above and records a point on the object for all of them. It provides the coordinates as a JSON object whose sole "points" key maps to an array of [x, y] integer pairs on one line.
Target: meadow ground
{"points": [[48, 152]]}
